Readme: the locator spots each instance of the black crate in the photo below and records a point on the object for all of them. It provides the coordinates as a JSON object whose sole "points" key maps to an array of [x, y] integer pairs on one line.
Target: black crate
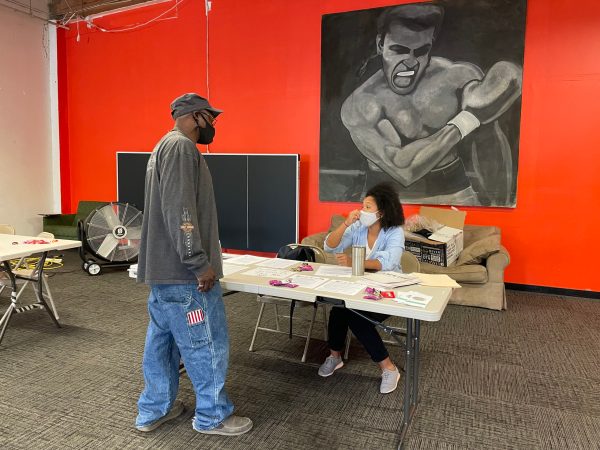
{"points": [[428, 253]]}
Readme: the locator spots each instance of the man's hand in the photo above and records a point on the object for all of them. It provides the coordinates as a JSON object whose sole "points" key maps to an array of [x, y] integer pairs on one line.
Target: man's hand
{"points": [[343, 259], [206, 281]]}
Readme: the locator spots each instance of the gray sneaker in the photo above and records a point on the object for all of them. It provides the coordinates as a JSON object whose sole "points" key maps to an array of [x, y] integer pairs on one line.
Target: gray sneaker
{"points": [[330, 365], [389, 381], [232, 426], [176, 410]]}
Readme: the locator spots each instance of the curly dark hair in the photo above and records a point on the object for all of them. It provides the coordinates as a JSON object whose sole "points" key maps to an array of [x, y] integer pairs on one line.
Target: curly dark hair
{"points": [[388, 204]]}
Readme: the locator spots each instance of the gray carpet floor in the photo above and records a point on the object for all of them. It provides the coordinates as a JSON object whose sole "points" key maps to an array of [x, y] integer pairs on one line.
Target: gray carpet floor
{"points": [[525, 378]]}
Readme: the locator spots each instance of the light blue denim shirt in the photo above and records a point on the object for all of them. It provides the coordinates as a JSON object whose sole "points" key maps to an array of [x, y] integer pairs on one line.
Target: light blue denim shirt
{"points": [[387, 250]]}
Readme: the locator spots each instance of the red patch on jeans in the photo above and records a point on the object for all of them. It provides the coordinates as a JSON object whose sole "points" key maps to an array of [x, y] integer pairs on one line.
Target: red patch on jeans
{"points": [[194, 317]]}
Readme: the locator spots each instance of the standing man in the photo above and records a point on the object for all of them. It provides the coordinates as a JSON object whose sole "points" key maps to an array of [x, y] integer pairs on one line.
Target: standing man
{"points": [[180, 258], [412, 116]]}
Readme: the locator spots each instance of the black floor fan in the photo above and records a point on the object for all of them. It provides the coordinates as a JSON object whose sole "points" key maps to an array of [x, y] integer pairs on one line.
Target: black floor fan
{"points": [[110, 236]]}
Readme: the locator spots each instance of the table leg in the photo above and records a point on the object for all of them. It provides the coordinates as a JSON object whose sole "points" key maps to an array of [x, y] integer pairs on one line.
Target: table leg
{"points": [[407, 402], [416, 335], [13, 301]]}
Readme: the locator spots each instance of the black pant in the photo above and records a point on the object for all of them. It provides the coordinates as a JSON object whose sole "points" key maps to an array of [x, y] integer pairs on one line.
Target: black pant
{"points": [[339, 321]]}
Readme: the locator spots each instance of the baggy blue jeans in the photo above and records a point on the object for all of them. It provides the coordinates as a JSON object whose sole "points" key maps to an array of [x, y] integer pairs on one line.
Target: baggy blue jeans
{"points": [[192, 324]]}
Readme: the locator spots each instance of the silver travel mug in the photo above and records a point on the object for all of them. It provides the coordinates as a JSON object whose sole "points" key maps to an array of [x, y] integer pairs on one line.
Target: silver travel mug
{"points": [[358, 260]]}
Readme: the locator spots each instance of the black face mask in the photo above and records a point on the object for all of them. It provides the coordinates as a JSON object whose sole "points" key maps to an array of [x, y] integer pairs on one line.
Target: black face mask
{"points": [[206, 134]]}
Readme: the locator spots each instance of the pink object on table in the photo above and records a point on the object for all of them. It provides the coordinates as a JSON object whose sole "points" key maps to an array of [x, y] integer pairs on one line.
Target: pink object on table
{"points": [[285, 283]]}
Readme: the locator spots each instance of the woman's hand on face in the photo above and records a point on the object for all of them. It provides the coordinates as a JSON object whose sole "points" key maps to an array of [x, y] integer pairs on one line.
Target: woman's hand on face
{"points": [[343, 259], [353, 216]]}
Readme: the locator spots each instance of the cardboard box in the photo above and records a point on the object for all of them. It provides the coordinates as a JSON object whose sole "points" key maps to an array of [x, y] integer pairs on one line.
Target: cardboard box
{"points": [[443, 247]]}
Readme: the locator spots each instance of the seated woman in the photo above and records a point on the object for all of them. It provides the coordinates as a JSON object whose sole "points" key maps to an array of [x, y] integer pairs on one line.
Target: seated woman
{"points": [[378, 227]]}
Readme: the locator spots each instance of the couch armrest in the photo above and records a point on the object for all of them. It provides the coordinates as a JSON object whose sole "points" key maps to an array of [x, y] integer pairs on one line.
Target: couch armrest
{"points": [[496, 264], [316, 240], [59, 219]]}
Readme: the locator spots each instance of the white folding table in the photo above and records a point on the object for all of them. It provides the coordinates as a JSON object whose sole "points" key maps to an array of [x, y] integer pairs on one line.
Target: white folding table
{"points": [[414, 315], [14, 247]]}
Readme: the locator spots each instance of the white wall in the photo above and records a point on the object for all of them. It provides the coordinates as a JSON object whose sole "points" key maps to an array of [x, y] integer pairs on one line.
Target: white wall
{"points": [[28, 144]]}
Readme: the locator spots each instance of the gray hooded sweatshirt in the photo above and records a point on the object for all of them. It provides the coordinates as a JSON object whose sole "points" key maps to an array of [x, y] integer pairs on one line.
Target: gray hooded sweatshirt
{"points": [[180, 236]]}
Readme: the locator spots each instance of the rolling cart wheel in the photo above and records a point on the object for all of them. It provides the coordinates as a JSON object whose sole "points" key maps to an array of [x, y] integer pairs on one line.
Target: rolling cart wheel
{"points": [[94, 269], [84, 265]]}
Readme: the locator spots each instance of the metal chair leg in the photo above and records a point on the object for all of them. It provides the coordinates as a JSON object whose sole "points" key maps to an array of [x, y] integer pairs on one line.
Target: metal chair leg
{"points": [[310, 327], [23, 286], [325, 323], [49, 296], [276, 317], [260, 313], [348, 339]]}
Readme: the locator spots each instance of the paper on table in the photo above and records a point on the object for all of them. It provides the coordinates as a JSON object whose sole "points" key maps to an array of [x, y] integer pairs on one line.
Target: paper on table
{"points": [[341, 287], [246, 259], [391, 279], [438, 280], [267, 272], [278, 263], [413, 298], [228, 269], [307, 281], [334, 271]]}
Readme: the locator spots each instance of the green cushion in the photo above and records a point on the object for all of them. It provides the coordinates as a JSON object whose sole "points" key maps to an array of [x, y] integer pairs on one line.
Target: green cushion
{"points": [[62, 231], [84, 208], [64, 226]]}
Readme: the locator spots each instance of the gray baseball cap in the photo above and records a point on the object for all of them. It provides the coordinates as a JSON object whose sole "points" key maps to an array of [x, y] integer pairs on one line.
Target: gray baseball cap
{"points": [[188, 103]]}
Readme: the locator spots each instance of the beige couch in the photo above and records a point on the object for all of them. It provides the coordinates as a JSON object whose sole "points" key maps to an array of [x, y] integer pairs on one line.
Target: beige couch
{"points": [[479, 268]]}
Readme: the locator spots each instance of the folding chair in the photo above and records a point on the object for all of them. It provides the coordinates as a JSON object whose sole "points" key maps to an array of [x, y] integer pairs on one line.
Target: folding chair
{"points": [[409, 264], [26, 275], [6, 229], [4, 279], [318, 257]]}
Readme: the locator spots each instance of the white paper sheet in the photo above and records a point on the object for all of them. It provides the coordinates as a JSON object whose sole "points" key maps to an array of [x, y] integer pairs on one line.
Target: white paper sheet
{"points": [[341, 287], [269, 273], [439, 280], [334, 271], [278, 263], [444, 234], [391, 279], [228, 269], [413, 298], [308, 281], [246, 259]]}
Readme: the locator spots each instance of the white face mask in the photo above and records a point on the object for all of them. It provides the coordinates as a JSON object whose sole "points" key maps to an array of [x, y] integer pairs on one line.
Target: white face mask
{"points": [[368, 218]]}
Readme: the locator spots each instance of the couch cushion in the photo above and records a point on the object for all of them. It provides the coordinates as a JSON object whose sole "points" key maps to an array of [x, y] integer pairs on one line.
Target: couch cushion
{"points": [[85, 207], [336, 221], [479, 250], [62, 231], [474, 233], [467, 273]]}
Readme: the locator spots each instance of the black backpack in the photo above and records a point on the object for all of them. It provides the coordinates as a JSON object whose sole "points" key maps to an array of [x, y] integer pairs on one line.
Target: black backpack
{"points": [[297, 253]]}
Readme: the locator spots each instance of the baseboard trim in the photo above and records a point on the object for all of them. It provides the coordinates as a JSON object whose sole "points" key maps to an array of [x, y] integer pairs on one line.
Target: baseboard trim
{"points": [[552, 290]]}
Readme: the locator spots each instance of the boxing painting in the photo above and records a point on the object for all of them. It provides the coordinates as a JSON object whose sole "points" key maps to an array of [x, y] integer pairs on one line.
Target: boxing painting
{"points": [[427, 96]]}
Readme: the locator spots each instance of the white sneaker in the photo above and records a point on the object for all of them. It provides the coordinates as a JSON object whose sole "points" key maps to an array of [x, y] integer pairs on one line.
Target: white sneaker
{"points": [[330, 365], [389, 381]]}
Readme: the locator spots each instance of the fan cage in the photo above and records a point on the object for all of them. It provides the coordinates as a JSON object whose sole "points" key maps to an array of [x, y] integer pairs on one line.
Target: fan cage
{"points": [[113, 232]]}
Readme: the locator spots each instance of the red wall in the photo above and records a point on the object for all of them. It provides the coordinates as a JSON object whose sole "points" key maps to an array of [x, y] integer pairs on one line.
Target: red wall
{"points": [[264, 71]]}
